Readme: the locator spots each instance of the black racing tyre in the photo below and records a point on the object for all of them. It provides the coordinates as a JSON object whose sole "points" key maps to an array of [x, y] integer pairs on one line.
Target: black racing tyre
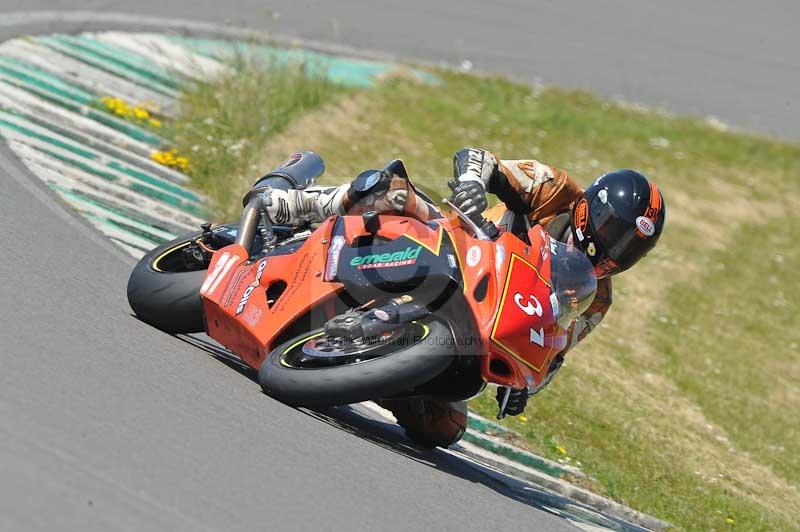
{"points": [[406, 366], [164, 294]]}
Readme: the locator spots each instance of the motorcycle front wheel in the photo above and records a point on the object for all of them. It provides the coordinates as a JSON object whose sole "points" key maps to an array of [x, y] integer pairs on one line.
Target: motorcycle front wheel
{"points": [[316, 370], [163, 293]]}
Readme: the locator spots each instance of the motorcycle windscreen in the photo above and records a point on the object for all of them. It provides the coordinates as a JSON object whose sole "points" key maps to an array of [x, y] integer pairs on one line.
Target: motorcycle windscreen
{"points": [[573, 283]]}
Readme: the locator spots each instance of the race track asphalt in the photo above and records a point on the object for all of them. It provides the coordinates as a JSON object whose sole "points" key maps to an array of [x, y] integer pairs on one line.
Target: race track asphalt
{"points": [[733, 59], [108, 424]]}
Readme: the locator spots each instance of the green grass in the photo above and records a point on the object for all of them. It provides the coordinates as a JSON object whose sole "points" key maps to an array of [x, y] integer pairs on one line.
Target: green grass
{"points": [[684, 403], [744, 371], [224, 124]]}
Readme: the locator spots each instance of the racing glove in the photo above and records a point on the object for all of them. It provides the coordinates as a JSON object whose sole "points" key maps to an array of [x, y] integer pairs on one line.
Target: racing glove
{"points": [[517, 400], [469, 197], [473, 167]]}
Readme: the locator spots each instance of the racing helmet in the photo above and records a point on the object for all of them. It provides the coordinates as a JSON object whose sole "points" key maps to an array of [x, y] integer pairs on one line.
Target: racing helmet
{"points": [[618, 220]]}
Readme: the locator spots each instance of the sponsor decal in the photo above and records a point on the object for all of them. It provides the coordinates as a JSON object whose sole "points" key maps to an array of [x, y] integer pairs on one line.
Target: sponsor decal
{"points": [[252, 315], [333, 257], [581, 217], [591, 249], [211, 277], [233, 286], [223, 274], [603, 196], [473, 256], [654, 208], [252, 286], [451, 260], [645, 226], [292, 160], [296, 283], [475, 162], [387, 260]]}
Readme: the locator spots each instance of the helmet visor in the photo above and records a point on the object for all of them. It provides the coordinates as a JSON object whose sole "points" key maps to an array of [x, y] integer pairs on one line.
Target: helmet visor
{"points": [[620, 239]]}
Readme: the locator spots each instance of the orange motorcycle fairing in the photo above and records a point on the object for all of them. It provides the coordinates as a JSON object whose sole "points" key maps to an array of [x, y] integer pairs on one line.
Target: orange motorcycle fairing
{"points": [[515, 317], [253, 302], [252, 306]]}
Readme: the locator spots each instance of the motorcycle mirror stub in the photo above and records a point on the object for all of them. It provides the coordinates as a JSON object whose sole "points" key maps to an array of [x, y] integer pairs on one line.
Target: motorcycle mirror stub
{"points": [[372, 222]]}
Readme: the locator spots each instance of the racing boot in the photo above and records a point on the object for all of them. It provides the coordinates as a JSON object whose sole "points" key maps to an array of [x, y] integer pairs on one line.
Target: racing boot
{"points": [[430, 422]]}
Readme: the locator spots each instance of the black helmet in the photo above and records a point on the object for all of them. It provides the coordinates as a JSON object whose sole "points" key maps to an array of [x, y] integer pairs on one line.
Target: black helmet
{"points": [[618, 220]]}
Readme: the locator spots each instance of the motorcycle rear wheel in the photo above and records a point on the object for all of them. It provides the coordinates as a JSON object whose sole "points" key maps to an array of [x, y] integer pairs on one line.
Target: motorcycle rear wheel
{"points": [[284, 377]]}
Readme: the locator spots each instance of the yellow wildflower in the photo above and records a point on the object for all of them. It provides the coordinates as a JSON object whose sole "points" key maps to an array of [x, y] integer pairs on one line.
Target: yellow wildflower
{"points": [[729, 521], [523, 418], [560, 449], [140, 113], [172, 159], [155, 122]]}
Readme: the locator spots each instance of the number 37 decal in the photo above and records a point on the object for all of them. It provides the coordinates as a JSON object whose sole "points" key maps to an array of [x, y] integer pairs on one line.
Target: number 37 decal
{"points": [[532, 307]]}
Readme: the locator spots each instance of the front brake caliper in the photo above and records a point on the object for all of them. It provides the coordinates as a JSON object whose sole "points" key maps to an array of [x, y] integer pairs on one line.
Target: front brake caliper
{"points": [[194, 257], [347, 325]]}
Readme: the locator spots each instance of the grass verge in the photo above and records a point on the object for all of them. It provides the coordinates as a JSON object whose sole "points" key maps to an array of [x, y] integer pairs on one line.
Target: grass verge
{"points": [[224, 124], [683, 404]]}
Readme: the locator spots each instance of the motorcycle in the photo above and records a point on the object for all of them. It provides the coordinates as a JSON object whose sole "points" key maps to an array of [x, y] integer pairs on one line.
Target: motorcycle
{"points": [[374, 305]]}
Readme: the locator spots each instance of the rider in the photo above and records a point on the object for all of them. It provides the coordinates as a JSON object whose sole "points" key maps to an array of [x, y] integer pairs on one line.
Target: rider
{"points": [[615, 222]]}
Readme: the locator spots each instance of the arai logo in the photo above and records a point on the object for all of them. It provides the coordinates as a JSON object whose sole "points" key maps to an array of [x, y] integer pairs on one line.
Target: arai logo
{"points": [[646, 226]]}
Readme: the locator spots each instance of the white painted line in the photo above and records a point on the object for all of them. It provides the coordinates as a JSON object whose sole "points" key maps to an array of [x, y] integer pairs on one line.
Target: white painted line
{"points": [[107, 155], [377, 409], [88, 77], [58, 100], [166, 54], [100, 217], [87, 205], [109, 190], [134, 252], [27, 103], [121, 179]]}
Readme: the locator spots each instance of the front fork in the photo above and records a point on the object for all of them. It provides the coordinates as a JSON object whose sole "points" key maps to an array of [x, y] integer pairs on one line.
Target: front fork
{"points": [[369, 324], [255, 211]]}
